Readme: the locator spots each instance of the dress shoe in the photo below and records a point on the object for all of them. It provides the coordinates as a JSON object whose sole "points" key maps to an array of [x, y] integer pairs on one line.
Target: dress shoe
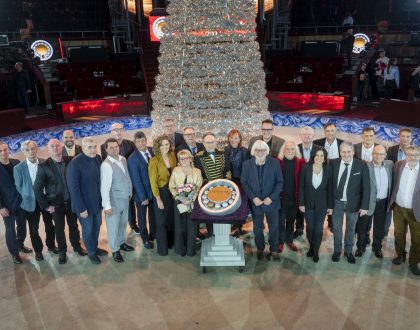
{"points": [[136, 229], [147, 245], [336, 256], [378, 254], [292, 247], [62, 258], [414, 269], [25, 249], [151, 244], [297, 233], [310, 253], [280, 248], [275, 256], [260, 254], [358, 253], [54, 250], [126, 247], [350, 258], [94, 259], [39, 256], [101, 252], [117, 256], [81, 252], [368, 240], [315, 257], [399, 260], [17, 259]]}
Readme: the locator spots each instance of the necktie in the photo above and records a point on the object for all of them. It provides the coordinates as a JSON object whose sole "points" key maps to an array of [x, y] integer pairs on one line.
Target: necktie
{"points": [[147, 156], [194, 150], [340, 189], [71, 152]]}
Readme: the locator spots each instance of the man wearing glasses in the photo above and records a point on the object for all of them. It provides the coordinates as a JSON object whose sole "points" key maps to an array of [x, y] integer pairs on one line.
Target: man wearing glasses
{"points": [[190, 144], [404, 200], [274, 142], [169, 129]]}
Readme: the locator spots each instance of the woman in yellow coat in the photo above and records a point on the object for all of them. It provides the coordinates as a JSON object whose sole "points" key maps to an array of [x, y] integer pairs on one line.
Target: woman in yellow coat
{"points": [[160, 170]]}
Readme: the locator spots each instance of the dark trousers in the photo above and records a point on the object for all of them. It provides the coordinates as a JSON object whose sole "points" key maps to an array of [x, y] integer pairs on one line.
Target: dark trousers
{"points": [[404, 219], [33, 221], [164, 221], [300, 222], [273, 229], [287, 222], [315, 227], [61, 214], [379, 220], [362, 230], [15, 231], [185, 233], [142, 211], [23, 99], [132, 219], [390, 88], [360, 90], [90, 231]]}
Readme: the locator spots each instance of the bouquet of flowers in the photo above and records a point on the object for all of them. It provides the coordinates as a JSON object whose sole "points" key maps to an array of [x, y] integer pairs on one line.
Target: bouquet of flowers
{"points": [[185, 197]]}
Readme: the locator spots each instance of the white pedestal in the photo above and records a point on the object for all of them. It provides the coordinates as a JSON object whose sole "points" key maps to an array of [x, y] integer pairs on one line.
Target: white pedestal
{"points": [[222, 249]]}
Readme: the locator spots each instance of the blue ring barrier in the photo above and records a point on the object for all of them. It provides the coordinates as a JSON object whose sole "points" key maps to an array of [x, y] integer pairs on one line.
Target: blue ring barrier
{"points": [[384, 131]]}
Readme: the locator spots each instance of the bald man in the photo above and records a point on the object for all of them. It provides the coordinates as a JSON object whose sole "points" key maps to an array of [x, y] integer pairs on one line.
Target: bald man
{"points": [[70, 147]]}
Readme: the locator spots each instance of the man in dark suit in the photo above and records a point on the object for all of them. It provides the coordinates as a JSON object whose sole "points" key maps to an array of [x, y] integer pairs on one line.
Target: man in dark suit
{"points": [[351, 192], [70, 147], [190, 144], [381, 175], [52, 194], [364, 149], [274, 142], [10, 199], [330, 142], [25, 175], [404, 201], [396, 153], [169, 129], [138, 168], [308, 148], [332, 145], [262, 181], [127, 147], [83, 181]]}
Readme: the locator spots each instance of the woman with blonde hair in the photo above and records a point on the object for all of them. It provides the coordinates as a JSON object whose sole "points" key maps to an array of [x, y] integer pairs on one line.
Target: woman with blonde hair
{"points": [[184, 185], [160, 170]]}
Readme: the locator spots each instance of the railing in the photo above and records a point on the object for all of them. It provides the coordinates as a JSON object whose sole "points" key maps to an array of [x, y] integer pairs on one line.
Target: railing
{"points": [[329, 29], [101, 34]]}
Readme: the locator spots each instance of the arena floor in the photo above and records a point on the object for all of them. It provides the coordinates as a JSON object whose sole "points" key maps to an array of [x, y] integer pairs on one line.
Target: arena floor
{"points": [[152, 292]]}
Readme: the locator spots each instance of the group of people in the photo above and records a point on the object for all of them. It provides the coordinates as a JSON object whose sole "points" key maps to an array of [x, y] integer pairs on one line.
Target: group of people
{"points": [[154, 190]]}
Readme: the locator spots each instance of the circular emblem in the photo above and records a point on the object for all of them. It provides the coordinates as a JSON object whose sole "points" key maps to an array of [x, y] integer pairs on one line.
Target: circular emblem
{"points": [[158, 26], [360, 40], [42, 49]]}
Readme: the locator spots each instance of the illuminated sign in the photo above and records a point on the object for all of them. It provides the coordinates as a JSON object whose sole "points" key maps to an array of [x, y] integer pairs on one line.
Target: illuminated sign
{"points": [[360, 41], [42, 49], [156, 24]]}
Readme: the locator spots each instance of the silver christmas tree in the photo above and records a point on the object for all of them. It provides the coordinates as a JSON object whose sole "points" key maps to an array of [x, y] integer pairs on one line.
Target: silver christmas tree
{"points": [[211, 76]]}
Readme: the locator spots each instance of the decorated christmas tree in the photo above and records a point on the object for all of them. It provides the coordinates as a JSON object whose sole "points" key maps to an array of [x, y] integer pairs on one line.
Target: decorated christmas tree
{"points": [[211, 76]]}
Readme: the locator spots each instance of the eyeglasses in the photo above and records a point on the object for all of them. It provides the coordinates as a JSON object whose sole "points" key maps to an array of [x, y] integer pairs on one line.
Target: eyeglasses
{"points": [[259, 150], [187, 158], [266, 129], [412, 155], [189, 134], [118, 130]]}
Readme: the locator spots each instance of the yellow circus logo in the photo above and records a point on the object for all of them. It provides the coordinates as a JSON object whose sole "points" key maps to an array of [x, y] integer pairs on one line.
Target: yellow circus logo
{"points": [[42, 49], [158, 26], [360, 41]]}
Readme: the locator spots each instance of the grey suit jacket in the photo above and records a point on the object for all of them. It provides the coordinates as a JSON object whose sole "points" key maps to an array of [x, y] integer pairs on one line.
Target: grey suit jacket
{"points": [[276, 144], [389, 167], [24, 185], [398, 169]]}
